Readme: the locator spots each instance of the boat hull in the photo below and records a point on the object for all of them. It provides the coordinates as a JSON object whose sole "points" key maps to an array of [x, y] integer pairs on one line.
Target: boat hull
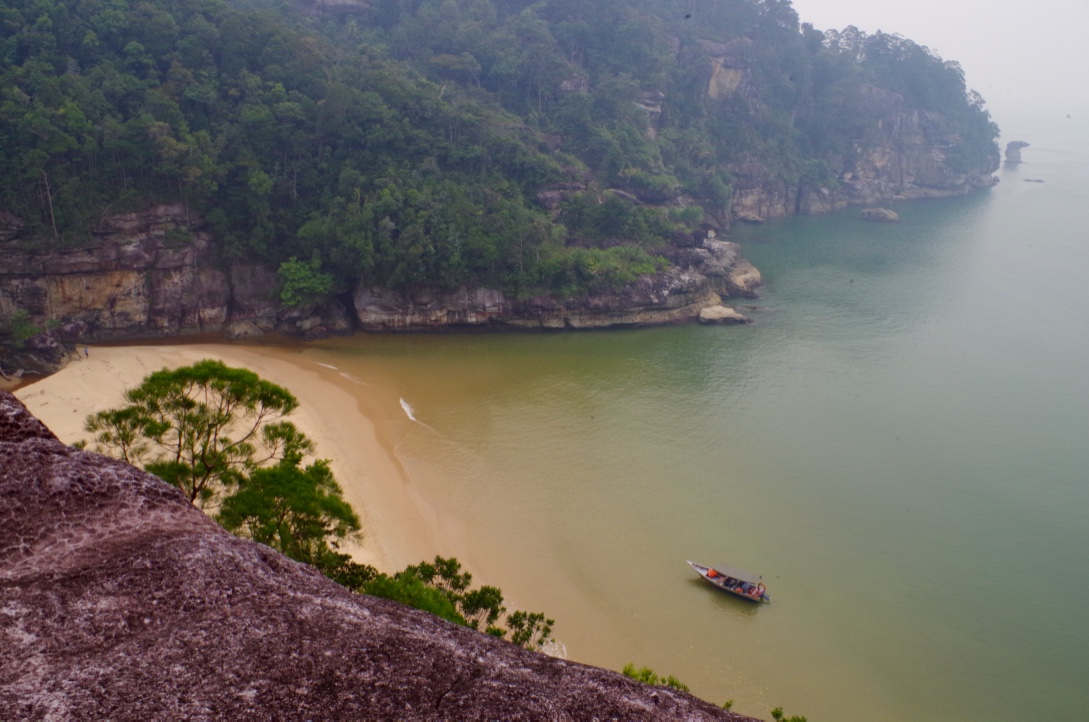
{"points": [[732, 584]]}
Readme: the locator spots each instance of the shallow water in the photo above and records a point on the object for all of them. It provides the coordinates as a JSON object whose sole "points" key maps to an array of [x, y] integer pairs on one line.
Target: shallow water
{"points": [[898, 444]]}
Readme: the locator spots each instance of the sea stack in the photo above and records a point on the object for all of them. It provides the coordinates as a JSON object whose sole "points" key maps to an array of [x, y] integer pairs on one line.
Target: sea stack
{"points": [[1013, 151]]}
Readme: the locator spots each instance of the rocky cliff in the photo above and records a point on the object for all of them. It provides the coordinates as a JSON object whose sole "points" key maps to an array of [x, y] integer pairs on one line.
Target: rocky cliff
{"points": [[902, 155], [156, 274], [143, 275], [118, 600], [698, 278], [148, 273]]}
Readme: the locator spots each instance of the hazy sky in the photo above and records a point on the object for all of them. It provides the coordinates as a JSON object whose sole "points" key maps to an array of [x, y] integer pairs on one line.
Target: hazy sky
{"points": [[1029, 59]]}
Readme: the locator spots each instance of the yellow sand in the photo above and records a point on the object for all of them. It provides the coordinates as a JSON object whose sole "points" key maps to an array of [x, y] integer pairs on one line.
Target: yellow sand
{"points": [[398, 526]]}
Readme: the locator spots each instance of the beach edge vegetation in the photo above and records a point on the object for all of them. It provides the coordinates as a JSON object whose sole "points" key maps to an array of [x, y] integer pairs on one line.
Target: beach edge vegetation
{"points": [[219, 434]]}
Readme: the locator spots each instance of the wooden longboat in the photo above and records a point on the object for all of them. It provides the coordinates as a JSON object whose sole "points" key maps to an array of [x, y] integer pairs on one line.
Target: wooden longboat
{"points": [[733, 581]]}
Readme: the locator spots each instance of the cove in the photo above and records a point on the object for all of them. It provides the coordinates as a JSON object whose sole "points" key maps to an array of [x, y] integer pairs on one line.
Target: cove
{"points": [[898, 445]]}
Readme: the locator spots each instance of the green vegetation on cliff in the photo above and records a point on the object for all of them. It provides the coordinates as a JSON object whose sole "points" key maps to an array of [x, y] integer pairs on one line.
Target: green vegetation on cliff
{"points": [[443, 142]]}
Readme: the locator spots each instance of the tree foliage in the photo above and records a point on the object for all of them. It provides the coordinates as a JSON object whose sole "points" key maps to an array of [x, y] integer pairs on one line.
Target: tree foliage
{"points": [[298, 511], [203, 428], [444, 589], [218, 433], [303, 283], [646, 675]]}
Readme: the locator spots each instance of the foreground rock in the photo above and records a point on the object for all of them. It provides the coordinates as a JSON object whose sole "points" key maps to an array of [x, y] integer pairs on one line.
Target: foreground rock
{"points": [[881, 215], [118, 600]]}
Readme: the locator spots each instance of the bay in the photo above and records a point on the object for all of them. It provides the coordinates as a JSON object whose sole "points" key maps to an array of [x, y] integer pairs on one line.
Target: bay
{"points": [[898, 445]]}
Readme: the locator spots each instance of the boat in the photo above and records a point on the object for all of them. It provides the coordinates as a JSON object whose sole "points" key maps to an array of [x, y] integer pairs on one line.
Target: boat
{"points": [[734, 581]]}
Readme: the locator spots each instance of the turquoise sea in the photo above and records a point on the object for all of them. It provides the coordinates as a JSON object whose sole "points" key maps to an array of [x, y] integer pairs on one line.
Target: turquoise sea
{"points": [[899, 445]]}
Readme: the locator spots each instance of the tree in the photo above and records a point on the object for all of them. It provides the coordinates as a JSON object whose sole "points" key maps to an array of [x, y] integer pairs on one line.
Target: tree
{"points": [[442, 588], [303, 283], [202, 428], [298, 511]]}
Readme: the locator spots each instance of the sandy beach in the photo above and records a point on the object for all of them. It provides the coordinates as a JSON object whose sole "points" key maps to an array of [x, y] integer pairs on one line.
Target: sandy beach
{"points": [[398, 526]]}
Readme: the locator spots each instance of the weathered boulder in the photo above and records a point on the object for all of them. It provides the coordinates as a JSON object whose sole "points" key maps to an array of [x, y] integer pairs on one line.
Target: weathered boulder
{"points": [[1013, 151], [119, 600], [722, 315], [730, 275], [881, 215]]}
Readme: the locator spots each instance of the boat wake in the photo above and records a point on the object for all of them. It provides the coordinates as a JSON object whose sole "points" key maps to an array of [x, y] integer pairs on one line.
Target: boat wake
{"points": [[344, 374], [354, 379], [408, 410]]}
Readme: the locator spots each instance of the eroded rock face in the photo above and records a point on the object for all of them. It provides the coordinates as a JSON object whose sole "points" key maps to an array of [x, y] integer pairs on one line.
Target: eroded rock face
{"points": [[699, 278], [148, 274], [118, 600], [721, 315], [902, 157], [155, 274]]}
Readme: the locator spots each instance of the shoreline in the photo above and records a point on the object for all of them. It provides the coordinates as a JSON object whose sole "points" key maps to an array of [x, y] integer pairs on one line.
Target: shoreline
{"points": [[398, 526]]}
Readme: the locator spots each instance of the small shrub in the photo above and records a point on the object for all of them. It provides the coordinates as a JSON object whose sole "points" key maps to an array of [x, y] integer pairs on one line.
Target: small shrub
{"points": [[646, 675]]}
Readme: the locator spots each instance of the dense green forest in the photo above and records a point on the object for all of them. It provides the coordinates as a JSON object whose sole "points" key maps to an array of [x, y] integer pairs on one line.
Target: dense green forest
{"points": [[405, 143]]}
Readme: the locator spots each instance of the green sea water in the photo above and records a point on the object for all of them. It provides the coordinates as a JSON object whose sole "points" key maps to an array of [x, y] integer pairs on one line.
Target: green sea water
{"points": [[899, 444]]}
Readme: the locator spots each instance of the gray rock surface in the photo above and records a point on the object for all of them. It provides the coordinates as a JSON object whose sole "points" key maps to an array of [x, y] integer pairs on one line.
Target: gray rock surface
{"points": [[881, 215], [722, 315], [118, 600]]}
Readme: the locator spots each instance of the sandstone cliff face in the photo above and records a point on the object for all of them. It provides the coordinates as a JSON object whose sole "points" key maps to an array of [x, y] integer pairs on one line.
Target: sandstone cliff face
{"points": [[699, 278], [155, 274], [118, 600], [148, 274]]}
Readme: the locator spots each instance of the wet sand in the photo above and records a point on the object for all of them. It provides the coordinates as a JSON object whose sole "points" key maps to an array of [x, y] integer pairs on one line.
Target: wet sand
{"points": [[399, 528]]}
